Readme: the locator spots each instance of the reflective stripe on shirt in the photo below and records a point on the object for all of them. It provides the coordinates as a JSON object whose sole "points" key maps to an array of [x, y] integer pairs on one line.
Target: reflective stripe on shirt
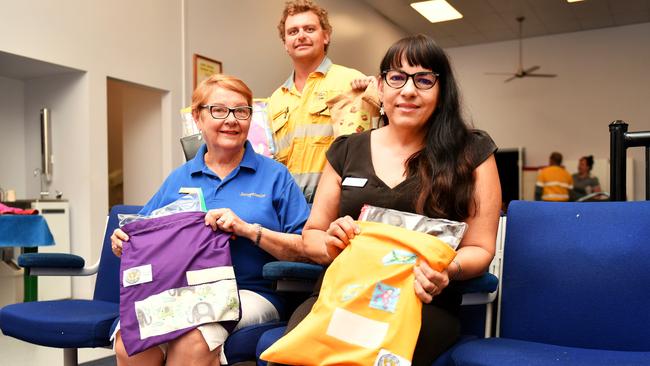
{"points": [[554, 184], [555, 197], [301, 122], [308, 183], [311, 130]]}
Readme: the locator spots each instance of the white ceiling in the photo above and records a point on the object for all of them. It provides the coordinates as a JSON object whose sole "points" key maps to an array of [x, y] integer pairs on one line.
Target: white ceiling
{"points": [[487, 21]]}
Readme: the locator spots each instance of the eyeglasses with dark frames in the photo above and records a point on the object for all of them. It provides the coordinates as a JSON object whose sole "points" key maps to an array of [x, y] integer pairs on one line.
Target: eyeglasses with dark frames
{"points": [[222, 112], [423, 80]]}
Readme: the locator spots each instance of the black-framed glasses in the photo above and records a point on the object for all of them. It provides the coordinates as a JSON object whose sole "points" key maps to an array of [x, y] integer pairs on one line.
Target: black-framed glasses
{"points": [[222, 112], [423, 80]]}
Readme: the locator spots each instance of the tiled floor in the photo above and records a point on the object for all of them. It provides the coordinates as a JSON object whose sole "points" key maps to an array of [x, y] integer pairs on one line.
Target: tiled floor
{"points": [[16, 352]]}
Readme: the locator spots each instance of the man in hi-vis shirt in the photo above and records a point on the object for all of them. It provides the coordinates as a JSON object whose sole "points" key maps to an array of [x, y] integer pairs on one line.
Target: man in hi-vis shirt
{"points": [[554, 183], [298, 113]]}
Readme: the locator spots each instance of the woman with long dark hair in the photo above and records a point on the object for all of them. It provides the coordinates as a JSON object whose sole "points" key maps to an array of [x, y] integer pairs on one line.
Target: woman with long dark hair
{"points": [[425, 160]]}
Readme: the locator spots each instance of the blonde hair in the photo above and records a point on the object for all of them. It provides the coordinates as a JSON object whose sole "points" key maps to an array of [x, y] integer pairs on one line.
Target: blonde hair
{"points": [[294, 7], [202, 92]]}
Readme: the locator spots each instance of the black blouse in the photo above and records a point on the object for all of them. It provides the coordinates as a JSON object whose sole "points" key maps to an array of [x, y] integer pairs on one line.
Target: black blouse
{"points": [[350, 157]]}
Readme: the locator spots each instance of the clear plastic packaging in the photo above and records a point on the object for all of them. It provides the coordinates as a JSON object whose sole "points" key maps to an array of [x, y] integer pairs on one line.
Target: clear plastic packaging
{"points": [[451, 232], [189, 126], [259, 133], [192, 200]]}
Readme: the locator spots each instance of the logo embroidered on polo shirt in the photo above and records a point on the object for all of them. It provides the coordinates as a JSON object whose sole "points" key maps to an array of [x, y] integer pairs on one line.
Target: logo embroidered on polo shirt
{"points": [[253, 194]]}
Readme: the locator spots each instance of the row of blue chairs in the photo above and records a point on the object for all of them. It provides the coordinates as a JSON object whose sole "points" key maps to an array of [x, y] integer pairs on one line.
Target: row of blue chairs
{"points": [[572, 292], [71, 324], [572, 289]]}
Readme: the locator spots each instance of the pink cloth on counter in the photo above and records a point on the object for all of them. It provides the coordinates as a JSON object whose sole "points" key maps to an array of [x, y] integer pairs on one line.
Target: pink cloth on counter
{"points": [[8, 210]]}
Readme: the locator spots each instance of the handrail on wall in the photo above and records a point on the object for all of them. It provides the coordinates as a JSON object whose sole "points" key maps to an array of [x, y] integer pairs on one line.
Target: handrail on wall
{"points": [[620, 140]]}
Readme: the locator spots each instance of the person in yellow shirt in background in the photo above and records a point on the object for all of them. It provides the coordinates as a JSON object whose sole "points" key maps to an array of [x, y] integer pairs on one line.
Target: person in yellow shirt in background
{"points": [[554, 183], [298, 113]]}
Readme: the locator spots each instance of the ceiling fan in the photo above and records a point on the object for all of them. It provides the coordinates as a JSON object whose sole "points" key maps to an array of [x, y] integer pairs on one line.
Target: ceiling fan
{"points": [[521, 72]]}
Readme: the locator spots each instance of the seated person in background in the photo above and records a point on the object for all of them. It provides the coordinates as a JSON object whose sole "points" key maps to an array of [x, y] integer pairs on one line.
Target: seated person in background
{"points": [[583, 182], [250, 195], [554, 182], [426, 160]]}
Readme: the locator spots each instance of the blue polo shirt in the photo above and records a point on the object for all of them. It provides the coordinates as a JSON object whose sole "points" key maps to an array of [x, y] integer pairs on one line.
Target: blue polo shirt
{"points": [[260, 190]]}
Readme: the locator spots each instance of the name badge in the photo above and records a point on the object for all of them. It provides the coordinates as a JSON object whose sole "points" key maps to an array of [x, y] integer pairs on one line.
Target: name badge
{"points": [[137, 275], [354, 182]]}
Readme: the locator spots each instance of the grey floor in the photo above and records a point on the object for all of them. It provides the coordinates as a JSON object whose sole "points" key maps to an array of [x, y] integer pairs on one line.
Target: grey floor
{"points": [[106, 361], [110, 361]]}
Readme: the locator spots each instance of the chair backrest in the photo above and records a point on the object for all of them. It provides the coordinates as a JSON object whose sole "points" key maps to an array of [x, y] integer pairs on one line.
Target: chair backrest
{"points": [[577, 274], [191, 145], [107, 285]]}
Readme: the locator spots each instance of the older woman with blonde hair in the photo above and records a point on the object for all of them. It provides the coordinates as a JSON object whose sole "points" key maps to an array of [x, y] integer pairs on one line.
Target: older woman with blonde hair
{"points": [[249, 195]]}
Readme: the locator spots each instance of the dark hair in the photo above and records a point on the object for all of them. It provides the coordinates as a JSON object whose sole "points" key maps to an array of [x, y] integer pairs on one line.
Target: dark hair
{"points": [[443, 167], [555, 158], [589, 159]]}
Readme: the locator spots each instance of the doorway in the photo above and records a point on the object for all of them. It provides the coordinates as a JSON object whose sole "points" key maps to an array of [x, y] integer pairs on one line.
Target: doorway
{"points": [[134, 142]]}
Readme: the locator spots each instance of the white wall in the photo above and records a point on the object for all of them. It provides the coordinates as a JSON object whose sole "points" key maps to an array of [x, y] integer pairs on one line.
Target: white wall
{"points": [[61, 94], [243, 36], [135, 41], [141, 122], [12, 135], [602, 76]]}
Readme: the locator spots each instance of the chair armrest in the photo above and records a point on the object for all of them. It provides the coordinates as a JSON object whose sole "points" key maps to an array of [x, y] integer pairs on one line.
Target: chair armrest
{"points": [[292, 276], [295, 276], [478, 290], [55, 264], [486, 283], [50, 260]]}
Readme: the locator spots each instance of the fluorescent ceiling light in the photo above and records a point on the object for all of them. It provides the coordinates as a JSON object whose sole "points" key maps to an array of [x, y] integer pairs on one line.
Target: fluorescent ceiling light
{"points": [[436, 10], [573, 1]]}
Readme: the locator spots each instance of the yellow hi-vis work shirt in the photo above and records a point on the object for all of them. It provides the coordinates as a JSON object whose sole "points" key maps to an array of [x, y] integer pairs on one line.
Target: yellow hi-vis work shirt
{"points": [[301, 122], [367, 312], [555, 182]]}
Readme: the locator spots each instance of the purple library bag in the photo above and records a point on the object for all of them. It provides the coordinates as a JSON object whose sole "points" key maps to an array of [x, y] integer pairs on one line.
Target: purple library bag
{"points": [[175, 274]]}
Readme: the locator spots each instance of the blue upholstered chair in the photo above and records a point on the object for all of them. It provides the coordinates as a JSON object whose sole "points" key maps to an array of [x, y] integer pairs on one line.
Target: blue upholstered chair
{"points": [[73, 324], [476, 312], [69, 324], [574, 287]]}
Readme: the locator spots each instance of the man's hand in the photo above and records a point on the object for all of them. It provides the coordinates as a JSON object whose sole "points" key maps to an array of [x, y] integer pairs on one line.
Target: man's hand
{"points": [[362, 83]]}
